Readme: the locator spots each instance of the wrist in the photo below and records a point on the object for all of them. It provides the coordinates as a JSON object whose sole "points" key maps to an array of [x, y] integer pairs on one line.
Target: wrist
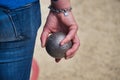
{"points": [[65, 11]]}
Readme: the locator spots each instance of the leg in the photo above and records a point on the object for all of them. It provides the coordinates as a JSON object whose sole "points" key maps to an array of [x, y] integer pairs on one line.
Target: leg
{"points": [[17, 44]]}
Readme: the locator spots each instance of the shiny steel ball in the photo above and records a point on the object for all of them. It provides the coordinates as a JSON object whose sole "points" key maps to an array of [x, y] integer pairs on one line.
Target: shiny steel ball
{"points": [[53, 46]]}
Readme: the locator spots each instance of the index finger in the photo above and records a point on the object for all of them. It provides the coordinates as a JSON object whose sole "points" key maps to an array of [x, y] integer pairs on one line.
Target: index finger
{"points": [[70, 35]]}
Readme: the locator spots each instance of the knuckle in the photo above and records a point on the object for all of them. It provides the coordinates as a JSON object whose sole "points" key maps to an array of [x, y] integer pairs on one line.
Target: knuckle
{"points": [[76, 27], [68, 38]]}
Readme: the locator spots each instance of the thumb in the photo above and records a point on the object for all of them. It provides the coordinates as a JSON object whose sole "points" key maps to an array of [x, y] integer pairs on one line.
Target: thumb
{"points": [[44, 37]]}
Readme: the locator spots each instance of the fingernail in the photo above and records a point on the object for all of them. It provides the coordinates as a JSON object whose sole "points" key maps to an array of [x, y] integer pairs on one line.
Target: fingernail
{"points": [[62, 43]]}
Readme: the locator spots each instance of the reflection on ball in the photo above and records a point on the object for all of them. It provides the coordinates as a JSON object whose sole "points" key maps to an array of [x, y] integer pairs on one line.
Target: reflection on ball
{"points": [[53, 46]]}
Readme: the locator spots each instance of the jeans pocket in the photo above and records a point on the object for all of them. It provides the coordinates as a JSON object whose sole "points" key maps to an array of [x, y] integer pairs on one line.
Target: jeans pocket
{"points": [[21, 23], [7, 29]]}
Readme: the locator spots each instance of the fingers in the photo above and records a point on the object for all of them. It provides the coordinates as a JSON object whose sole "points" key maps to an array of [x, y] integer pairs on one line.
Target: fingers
{"points": [[71, 52], [44, 36], [70, 35]]}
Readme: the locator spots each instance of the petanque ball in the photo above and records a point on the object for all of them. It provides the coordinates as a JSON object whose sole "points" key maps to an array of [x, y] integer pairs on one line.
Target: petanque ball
{"points": [[53, 46]]}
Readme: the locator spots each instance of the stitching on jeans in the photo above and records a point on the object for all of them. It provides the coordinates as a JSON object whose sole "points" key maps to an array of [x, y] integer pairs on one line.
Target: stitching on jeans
{"points": [[24, 7], [9, 11], [14, 27], [19, 37], [20, 8]]}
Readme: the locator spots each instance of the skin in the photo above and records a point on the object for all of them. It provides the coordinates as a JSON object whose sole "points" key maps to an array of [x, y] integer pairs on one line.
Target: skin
{"points": [[59, 22]]}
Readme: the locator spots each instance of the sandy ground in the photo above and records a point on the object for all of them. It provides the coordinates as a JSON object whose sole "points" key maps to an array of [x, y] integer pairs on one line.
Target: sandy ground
{"points": [[98, 58]]}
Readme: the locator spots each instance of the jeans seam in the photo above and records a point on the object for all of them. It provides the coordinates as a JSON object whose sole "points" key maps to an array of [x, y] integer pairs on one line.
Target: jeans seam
{"points": [[23, 7], [14, 27], [18, 37], [17, 9], [11, 13]]}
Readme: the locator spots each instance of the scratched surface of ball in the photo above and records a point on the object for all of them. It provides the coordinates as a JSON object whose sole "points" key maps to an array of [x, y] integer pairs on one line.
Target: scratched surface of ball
{"points": [[53, 46]]}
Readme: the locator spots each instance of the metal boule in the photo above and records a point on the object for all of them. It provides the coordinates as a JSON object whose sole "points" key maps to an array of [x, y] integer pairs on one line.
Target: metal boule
{"points": [[53, 46]]}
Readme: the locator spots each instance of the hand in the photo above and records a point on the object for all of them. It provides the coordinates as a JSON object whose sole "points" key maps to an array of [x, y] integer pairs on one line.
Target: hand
{"points": [[59, 22]]}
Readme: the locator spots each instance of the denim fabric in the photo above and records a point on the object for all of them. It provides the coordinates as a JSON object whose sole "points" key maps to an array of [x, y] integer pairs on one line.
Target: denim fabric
{"points": [[12, 4], [18, 30]]}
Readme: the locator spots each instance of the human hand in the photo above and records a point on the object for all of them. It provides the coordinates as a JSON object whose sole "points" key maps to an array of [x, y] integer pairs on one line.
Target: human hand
{"points": [[60, 23]]}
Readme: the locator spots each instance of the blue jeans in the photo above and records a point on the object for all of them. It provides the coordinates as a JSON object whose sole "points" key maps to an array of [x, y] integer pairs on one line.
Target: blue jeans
{"points": [[18, 30]]}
